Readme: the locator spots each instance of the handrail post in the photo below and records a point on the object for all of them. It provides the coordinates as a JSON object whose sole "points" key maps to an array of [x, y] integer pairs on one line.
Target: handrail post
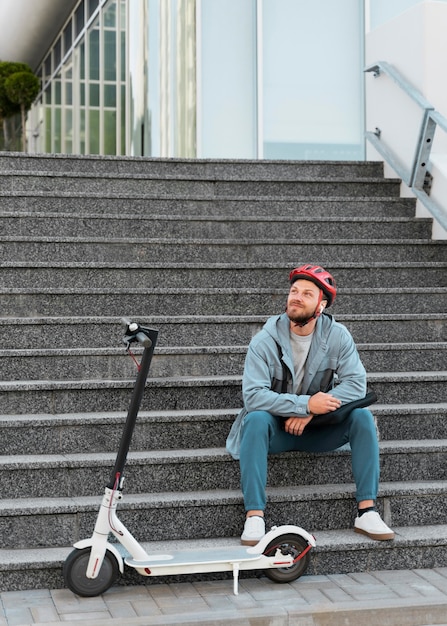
{"points": [[424, 146]]}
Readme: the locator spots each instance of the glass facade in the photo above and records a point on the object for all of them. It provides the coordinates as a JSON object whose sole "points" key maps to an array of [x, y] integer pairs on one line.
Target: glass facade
{"points": [[83, 103], [312, 83], [162, 77], [254, 79], [227, 79]]}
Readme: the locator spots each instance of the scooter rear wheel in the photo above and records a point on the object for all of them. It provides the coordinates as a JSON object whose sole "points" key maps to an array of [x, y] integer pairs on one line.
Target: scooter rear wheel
{"points": [[292, 545], [75, 568]]}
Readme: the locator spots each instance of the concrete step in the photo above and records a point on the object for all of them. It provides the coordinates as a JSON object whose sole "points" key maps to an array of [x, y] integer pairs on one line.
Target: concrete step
{"points": [[121, 301], [70, 382], [216, 227], [189, 393], [101, 432], [209, 469], [236, 169], [210, 187], [337, 552], [144, 204], [114, 363], [19, 333], [324, 252], [69, 433], [133, 275], [185, 516]]}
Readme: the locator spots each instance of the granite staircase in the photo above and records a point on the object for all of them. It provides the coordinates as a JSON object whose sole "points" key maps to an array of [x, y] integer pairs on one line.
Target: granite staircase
{"points": [[201, 250]]}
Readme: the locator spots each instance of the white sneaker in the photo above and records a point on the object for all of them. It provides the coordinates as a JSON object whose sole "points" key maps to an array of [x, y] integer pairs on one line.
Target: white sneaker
{"points": [[254, 530], [372, 525]]}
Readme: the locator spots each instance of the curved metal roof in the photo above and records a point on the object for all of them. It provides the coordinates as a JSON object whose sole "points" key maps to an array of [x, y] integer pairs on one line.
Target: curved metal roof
{"points": [[28, 28]]}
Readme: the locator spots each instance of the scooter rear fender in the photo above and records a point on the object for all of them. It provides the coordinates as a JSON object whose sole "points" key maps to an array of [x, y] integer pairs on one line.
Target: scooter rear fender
{"points": [[277, 531], [88, 543]]}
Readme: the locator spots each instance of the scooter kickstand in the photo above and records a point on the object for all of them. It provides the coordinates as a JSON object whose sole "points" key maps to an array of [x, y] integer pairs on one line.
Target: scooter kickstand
{"points": [[236, 579]]}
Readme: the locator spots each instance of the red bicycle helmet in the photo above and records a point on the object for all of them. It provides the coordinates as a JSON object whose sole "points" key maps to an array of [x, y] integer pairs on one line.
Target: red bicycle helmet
{"points": [[319, 276]]}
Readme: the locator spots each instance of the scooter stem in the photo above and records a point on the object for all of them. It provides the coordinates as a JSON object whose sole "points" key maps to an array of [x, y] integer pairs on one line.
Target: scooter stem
{"points": [[134, 407]]}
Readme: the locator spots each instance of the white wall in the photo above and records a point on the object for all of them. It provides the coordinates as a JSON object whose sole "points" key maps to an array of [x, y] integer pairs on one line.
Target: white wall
{"points": [[415, 43]]}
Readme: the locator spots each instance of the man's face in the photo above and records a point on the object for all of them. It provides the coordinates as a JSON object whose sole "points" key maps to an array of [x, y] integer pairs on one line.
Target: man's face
{"points": [[302, 301]]}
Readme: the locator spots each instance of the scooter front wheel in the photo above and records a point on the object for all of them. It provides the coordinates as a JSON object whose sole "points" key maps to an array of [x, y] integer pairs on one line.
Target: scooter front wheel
{"points": [[292, 545], [75, 568]]}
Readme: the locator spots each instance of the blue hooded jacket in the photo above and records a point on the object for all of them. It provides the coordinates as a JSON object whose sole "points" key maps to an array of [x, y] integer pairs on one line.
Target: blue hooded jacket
{"points": [[332, 348]]}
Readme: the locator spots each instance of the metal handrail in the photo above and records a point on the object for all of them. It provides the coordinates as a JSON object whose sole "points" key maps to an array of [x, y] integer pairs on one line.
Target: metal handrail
{"points": [[416, 175]]}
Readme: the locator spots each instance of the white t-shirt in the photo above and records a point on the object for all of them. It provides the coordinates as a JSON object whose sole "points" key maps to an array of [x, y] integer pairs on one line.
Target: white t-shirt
{"points": [[300, 350]]}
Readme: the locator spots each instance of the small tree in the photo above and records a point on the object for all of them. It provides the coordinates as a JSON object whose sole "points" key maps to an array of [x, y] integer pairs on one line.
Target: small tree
{"points": [[22, 89], [7, 108]]}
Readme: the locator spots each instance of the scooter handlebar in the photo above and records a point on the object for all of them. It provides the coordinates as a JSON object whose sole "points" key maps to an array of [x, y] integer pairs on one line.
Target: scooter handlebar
{"points": [[143, 339], [135, 333]]}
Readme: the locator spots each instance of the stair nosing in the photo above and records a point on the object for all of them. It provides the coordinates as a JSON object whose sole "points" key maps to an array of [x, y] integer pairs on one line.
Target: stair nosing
{"points": [[214, 497]]}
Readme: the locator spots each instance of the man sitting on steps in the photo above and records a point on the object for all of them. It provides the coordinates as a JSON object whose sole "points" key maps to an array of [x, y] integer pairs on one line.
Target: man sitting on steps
{"points": [[299, 368]]}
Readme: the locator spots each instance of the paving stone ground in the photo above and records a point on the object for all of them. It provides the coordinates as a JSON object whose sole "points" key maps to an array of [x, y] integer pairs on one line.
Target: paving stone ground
{"points": [[415, 597]]}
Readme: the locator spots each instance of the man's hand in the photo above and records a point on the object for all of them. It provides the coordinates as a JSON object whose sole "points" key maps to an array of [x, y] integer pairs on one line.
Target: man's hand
{"points": [[323, 403], [296, 425], [318, 404]]}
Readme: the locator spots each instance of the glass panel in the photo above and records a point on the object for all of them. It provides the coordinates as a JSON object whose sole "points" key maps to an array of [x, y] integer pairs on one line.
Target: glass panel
{"points": [[57, 99], [47, 95], [110, 95], [227, 89], [48, 70], [151, 82], [94, 95], [123, 55], [312, 82], [68, 93], [123, 120], [48, 130], [123, 13], [185, 104], [57, 131], [82, 132], [82, 61], [79, 20], [68, 131], [92, 4], [67, 37], [110, 15], [57, 52], [109, 55], [93, 132], [94, 54], [109, 132], [144, 100]]}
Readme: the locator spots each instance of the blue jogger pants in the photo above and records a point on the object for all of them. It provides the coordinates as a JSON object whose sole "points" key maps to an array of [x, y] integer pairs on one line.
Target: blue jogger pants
{"points": [[263, 434]]}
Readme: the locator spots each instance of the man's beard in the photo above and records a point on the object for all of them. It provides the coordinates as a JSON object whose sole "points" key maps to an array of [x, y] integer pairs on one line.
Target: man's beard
{"points": [[301, 318]]}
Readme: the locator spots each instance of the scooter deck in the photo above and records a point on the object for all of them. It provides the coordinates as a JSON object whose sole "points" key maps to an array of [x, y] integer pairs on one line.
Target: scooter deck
{"points": [[202, 561], [237, 554]]}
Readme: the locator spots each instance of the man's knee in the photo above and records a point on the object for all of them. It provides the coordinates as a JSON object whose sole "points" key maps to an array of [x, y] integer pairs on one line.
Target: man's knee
{"points": [[362, 420], [259, 421]]}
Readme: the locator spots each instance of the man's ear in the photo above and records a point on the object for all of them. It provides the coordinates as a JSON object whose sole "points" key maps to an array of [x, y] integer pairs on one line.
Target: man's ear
{"points": [[323, 305]]}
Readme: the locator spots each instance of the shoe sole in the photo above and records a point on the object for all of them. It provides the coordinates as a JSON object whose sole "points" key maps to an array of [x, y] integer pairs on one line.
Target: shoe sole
{"points": [[250, 542], [375, 536]]}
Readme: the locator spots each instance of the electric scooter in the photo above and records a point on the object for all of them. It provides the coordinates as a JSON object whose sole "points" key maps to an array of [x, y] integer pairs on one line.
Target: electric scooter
{"points": [[96, 564]]}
